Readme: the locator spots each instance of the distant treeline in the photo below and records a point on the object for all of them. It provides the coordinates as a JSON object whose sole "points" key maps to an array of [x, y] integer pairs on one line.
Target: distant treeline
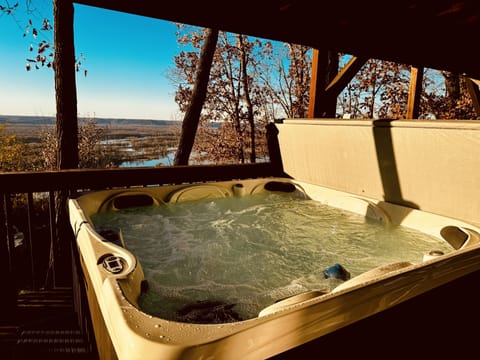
{"points": [[50, 120]]}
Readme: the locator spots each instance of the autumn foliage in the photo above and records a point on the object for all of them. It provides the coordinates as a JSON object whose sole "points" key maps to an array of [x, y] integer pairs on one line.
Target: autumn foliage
{"points": [[243, 95], [254, 81], [11, 152]]}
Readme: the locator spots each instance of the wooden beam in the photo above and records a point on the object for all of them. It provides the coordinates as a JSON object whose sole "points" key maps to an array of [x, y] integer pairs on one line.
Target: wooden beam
{"points": [[325, 91], [91, 179], [474, 91], [316, 85], [344, 76], [414, 93], [348, 26]]}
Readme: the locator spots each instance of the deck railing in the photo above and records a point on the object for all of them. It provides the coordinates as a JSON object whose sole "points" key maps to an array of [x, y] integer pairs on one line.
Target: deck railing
{"points": [[36, 238]]}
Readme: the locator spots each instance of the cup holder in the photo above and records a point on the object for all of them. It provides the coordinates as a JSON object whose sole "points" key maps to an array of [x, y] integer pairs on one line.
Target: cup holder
{"points": [[113, 264]]}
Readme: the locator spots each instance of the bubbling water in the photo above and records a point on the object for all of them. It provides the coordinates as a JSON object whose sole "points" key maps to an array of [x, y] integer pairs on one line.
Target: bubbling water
{"points": [[254, 250]]}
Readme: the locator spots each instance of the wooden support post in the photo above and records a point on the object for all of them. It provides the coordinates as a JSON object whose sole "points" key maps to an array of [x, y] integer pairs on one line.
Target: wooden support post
{"points": [[65, 85], [9, 292], [324, 69], [323, 94], [474, 91], [414, 93]]}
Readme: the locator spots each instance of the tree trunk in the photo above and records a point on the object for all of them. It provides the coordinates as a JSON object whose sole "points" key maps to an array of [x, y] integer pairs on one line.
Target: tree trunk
{"points": [[248, 102], [452, 85], [59, 273], [192, 115], [65, 86]]}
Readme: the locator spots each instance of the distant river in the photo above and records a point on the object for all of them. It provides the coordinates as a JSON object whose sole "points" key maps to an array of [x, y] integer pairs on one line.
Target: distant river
{"points": [[167, 160], [126, 146]]}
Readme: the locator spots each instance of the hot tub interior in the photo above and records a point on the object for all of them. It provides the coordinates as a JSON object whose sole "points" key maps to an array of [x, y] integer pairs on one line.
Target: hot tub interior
{"points": [[249, 269], [213, 253]]}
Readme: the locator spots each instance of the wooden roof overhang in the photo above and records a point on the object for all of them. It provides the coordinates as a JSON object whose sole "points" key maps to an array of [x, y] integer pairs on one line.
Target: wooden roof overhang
{"points": [[438, 34]]}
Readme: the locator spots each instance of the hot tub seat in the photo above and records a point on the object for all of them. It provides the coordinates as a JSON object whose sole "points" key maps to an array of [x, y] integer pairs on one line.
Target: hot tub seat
{"points": [[292, 300], [372, 275]]}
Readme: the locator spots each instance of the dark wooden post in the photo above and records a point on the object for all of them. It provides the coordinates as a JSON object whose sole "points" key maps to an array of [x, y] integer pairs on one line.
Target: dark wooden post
{"points": [[65, 85], [474, 91], [324, 70], [9, 294], [325, 86], [67, 136]]}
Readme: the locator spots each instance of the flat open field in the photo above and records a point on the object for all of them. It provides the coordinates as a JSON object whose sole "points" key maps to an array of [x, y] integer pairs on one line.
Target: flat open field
{"points": [[126, 139], [30, 128]]}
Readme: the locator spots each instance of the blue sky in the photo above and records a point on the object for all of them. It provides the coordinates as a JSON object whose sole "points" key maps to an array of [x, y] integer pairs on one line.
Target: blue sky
{"points": [[128, 58]]}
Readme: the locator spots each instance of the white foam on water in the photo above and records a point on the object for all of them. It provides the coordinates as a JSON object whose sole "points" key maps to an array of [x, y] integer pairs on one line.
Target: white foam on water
{"points": [[254, 250]]}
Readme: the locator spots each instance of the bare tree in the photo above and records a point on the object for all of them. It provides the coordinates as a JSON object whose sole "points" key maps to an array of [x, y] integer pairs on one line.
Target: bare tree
{"points": [[241, 96], [287, 87], [457, 101], [194, 109], [379, 90], [246, 93], [299, 73]]}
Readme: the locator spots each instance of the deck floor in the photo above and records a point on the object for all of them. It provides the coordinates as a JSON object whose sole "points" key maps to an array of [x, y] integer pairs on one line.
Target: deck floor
{"points": [[440, 323], [44, 326]]}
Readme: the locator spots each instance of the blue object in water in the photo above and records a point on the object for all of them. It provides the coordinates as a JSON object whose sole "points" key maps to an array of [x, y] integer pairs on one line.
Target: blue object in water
{"points": [[336, 271]]}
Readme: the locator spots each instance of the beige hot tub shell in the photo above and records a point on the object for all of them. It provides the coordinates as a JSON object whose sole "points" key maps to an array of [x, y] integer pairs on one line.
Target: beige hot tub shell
{"points": [[431, 165], [123, 331]]}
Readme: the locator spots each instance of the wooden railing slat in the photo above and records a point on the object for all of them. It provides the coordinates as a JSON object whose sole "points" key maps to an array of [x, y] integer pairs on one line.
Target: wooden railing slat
{"points": [[24, 182]]}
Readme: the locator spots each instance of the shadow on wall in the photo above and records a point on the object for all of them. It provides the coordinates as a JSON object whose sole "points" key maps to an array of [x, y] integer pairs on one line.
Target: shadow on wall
{"points": [[274, 150], [387, 165]]}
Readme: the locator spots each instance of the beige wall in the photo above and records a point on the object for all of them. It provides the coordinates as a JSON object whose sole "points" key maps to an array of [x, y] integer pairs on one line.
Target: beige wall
{"points": [[430, 165]]}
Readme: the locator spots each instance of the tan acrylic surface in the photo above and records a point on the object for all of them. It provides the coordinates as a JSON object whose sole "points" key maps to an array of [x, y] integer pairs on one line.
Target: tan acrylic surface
{"points": [[428, 165], [133, 334]]}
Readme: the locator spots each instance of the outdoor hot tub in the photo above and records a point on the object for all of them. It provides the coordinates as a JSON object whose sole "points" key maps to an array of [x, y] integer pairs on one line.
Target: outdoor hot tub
{"points": [[249, 269]]}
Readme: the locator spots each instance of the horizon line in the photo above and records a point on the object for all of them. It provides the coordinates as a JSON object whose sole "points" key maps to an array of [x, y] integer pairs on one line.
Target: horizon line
{"points": [[87, 117]]}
